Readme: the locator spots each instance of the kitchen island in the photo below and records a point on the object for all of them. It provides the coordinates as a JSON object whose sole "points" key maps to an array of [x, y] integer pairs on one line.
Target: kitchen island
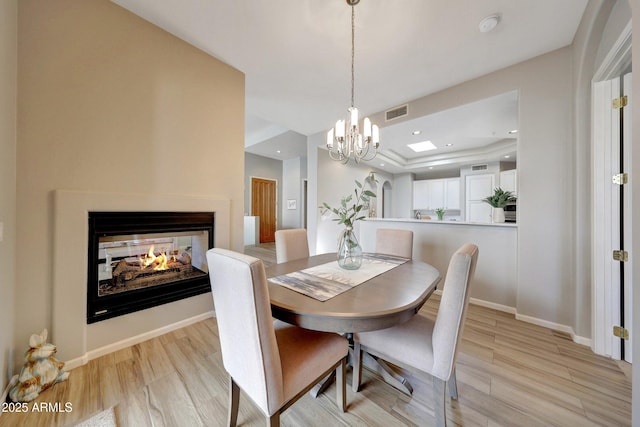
{"points": [[495, 281]]}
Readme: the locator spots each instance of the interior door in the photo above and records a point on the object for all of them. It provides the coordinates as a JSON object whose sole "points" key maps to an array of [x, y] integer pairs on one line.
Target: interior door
{"points": [[626, 220], [612, 294], [263, 205]]}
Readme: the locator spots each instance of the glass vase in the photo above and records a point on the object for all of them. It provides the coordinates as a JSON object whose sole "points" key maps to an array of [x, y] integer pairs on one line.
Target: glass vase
{"points": [[349, 250]]}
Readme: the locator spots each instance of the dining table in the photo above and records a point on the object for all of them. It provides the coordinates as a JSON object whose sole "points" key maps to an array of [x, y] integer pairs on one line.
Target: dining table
{"points": [[382, 301]]}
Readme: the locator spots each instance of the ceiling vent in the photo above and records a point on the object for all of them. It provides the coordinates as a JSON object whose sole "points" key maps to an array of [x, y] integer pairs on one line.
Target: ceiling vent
{"points": [[397, 112], [479, 167]]}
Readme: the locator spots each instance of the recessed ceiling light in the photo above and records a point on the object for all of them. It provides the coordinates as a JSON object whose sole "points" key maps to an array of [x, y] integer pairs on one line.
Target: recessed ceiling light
{"points": [[416, 132], [507, 156], [430, 167], [488, 23], [419, 147], [382, 164], [278, 151], [513, 131]]}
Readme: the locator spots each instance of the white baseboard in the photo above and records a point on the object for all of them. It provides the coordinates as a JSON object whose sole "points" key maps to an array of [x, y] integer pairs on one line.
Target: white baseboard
{"points": [[94, 354], [555, 326], [493, 305], [529, 319]]}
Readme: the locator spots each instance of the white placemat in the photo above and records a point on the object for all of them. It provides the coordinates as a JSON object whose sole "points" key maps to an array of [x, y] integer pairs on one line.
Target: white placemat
{"points": [[325, 281]]}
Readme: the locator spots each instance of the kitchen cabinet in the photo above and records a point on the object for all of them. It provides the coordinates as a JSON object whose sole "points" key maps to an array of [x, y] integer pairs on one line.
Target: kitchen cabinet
{"points": [[430, 194], [452, 193], [420, 195], [478, 187], [509, 181]]}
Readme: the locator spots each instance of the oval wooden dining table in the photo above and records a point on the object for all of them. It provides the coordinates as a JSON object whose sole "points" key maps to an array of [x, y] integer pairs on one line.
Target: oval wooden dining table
{"points": [[386, 300]]}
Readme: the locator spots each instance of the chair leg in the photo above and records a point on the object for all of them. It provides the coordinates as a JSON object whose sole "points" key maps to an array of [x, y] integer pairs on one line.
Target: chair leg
{"points": [[341, 386], [453, 385], [234, 401], [274, 420], [357, 366], [439, 402]]}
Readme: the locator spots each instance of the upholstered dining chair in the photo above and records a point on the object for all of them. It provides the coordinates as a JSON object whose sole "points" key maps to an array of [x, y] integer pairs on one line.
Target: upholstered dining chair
{"points": [[291, 245], [273, 363], [395, 242], [422, 344]]}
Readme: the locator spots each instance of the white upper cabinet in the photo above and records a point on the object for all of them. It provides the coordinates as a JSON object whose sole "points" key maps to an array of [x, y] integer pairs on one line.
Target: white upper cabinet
{"points": [[452, 193], [509, 181], [420, 195], [431, 194]]}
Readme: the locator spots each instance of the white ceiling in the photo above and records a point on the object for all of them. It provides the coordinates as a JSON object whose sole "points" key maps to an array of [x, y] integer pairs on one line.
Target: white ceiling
{"points": [[296, 53]]}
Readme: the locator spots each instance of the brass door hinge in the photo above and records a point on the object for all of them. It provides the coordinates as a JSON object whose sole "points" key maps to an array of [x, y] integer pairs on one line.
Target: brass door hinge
{"points": [[620, 179], [621, 332], [619, 255], [620, 102]]}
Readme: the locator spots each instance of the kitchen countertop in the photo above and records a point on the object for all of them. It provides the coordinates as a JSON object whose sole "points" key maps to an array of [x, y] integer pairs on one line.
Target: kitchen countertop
{"points": [[435, 221]]}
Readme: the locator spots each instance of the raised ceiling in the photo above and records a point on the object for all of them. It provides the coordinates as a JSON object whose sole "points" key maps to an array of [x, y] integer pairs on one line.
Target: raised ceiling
{"points": [[296, 53]]}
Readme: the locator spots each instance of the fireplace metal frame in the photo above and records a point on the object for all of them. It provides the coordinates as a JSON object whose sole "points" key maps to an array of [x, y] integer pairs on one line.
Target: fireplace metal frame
{"points": [[103, 224]]}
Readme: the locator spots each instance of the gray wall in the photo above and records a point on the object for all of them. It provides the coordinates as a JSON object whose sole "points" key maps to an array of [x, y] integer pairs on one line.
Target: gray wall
{"points": [[262, 167]]}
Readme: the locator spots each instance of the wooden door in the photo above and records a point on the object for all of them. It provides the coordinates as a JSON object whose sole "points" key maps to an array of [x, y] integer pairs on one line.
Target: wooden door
{"points": [[263, 205]]}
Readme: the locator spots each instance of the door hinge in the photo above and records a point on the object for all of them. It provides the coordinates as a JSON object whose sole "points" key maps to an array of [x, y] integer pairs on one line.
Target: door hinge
{"points": [[619, 255], [620, 179], [620, 102], [621, 332]]}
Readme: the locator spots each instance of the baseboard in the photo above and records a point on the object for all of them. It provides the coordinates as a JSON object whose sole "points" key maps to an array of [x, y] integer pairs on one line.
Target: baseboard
{"points": [[556, 327], [529, 319], [493, 305], [13, 381], [94, 354]]}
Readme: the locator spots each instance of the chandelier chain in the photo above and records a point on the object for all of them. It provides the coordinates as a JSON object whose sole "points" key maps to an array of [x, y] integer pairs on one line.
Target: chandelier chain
{"points": [[353, 54]]}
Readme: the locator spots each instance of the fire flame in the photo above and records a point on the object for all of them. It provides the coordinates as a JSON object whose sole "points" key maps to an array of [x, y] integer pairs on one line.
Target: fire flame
{"points": [[158, 262]]}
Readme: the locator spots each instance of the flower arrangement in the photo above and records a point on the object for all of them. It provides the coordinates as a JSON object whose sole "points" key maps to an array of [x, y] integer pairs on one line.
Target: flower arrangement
{"points": [[440, 212], [348, 213]]}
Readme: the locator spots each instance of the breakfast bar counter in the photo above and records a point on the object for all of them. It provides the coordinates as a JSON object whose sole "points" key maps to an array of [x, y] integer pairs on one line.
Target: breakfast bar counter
{"points": [[434, 242]]}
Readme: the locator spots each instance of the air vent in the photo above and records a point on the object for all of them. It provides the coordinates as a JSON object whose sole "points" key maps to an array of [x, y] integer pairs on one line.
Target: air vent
{"points": [[479, 167], [394, 113]]}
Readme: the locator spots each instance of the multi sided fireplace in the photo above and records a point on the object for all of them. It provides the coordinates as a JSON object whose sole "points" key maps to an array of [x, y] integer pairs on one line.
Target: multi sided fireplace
{"points": [[139, 260]]}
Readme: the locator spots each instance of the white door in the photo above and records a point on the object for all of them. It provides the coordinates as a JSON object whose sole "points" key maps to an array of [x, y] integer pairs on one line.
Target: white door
{"points": [[478, 187], [612, 290]]}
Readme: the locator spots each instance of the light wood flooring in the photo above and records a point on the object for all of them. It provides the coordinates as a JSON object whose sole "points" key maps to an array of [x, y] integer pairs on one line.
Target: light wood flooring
{"points": [[510, 373]]}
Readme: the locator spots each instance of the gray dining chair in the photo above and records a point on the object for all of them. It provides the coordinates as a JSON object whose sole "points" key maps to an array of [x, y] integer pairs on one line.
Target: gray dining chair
{"points": [[274, 363], [394, 242], [422, 344], [291, 245]]}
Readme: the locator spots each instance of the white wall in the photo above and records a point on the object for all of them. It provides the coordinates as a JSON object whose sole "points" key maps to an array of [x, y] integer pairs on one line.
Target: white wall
{"points": [[8, 93], [545, 264], [293, 174], [403, 195], [335, 181], [435, 241]]}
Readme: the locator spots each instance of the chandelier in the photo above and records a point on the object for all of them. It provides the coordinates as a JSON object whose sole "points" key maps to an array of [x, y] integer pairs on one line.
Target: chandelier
{"points": [[345, 140]]}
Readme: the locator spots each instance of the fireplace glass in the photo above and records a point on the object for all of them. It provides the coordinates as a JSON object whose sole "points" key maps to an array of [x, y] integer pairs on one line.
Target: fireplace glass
{"points": [[142, 259]]}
